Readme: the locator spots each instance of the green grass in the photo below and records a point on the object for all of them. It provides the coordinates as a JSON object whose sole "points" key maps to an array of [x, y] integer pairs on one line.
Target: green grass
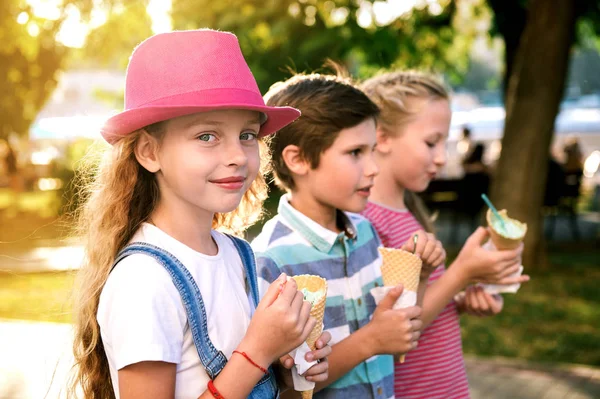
{"points": [[36, 296], [553, 318]]}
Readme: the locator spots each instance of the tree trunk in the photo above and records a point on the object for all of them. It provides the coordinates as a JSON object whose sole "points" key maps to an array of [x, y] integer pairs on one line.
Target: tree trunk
{"points": [[535, 89], [510, 17]]}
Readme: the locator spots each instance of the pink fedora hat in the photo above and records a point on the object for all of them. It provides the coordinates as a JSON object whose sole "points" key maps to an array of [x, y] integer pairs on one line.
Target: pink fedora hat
{"points": [[184, 72]]}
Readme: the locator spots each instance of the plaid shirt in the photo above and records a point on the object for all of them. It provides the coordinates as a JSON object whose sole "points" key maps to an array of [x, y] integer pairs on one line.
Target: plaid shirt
{"points": [[350, 262]]}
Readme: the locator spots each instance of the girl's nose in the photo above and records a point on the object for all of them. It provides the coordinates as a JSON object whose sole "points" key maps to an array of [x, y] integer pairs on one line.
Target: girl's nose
{"points": [[235, 154]]}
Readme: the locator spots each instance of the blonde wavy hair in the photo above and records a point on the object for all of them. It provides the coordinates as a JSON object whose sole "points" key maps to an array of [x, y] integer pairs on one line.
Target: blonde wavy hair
{"points": [[399, 96], [119, 196]]}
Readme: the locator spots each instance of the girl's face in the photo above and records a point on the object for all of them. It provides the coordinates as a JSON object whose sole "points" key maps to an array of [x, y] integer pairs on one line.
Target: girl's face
{"points": [[208, 160], [417, 151]]}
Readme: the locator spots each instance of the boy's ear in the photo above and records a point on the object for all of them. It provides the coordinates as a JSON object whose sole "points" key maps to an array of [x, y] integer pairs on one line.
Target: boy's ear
{"points": [[383, 141], [295, 162], [146, 152]]}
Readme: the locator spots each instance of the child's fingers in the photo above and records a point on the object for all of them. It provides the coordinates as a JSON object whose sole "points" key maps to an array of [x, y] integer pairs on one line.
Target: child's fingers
{"points": [[323, 340], [319, 372], [310, 324], [297, 302], [439, 255], [304, 313], [508, 271], [286, 361], [496, 302], [430, 246], [318, 354], [484, 306], [272, 292], [288, 294], [513, 280]]}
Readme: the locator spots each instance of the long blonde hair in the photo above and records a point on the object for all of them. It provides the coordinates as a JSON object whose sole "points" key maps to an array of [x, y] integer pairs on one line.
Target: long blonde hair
{"points": [[120, 198], [398, 96]]}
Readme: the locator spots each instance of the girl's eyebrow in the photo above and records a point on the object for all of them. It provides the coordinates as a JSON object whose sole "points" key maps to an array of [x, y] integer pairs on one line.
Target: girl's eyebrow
{"points": [[219, 123]]}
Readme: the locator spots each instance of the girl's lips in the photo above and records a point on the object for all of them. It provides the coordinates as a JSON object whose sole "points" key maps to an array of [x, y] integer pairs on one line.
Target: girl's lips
{"points": [[230, 183]]}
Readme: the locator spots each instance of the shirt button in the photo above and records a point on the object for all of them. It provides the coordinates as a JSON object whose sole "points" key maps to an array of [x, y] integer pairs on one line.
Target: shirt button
{"points": [[359, 301], [376, 284], [379, 391]]}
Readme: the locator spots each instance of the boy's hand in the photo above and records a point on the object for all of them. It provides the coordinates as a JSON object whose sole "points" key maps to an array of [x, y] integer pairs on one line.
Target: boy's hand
{"points": [[394, 331], [429, 249], [475, 301], [477, 264], [319, 372]]}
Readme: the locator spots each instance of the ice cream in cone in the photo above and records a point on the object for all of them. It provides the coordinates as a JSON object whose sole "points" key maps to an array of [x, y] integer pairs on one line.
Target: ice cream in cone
{"points": [[314, 289], [506, 233], [400, 267]]}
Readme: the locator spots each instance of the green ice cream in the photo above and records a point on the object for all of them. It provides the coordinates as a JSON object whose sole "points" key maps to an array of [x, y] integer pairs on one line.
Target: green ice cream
{"points": [[312, 296], [508, 229]]}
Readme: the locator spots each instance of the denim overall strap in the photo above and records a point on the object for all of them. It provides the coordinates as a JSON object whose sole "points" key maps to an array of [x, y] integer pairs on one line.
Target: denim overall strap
{"points": [[247, 256], [212, 359]]}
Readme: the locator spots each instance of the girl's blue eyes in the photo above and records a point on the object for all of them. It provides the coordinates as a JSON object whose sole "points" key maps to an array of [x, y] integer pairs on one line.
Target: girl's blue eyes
{"points": [[209, 137], [248, 136]]}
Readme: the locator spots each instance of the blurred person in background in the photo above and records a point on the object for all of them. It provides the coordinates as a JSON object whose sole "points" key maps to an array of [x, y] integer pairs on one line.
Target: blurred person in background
{"points": [[15, 180]]}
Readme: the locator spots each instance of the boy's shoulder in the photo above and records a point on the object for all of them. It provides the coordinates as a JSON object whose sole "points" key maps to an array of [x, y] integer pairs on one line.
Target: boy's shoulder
{"points": [[275, 233]]}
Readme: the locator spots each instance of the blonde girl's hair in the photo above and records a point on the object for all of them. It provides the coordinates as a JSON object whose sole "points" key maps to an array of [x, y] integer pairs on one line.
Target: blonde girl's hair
{"points": [[399, 96], [121, 196]]}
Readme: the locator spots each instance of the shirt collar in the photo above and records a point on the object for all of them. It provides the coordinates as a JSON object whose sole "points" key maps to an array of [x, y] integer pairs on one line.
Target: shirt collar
{"points": [[320, 237]]}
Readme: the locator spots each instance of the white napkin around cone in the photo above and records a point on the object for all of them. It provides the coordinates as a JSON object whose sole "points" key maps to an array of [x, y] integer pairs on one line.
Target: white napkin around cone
{"points": [[407, 298], [301, 366], [501, 288]]}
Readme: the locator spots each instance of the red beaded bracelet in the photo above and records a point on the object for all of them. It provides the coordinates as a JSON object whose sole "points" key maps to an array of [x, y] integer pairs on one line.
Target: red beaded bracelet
{"points": [[213, 390], [264, 370]]}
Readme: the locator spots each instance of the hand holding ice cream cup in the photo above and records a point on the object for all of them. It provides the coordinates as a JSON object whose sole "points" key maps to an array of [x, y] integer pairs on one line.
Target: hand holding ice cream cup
{"points": [[399, 267], [314, 289], [505, 234]]}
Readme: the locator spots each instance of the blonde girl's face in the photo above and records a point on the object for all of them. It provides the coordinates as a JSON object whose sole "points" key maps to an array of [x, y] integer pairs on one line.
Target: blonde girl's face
{"points": [[417, 151], [209, 160]]}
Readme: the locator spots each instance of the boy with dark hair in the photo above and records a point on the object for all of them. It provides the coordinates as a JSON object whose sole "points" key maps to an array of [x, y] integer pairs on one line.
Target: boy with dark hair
{"points": [[324, 161]]}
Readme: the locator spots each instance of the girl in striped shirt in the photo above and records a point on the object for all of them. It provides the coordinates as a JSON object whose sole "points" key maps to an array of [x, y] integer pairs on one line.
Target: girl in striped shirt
{"points": [[411, 135]]}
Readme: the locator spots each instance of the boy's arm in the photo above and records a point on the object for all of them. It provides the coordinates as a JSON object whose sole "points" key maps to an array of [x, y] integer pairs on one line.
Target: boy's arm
{"points": [[390, 331]]}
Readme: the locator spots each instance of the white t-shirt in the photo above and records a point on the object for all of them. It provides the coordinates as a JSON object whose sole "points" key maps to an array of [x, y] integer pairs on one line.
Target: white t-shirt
{"points": [[142, 317]]}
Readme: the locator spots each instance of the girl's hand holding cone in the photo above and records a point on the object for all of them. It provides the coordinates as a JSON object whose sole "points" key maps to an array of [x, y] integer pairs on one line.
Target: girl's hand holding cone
{"points": [[477, 264], [280, 323], [429, 249]]}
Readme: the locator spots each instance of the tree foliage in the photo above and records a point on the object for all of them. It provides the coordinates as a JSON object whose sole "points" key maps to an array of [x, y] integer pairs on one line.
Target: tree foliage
{"points": [[276, 35]]}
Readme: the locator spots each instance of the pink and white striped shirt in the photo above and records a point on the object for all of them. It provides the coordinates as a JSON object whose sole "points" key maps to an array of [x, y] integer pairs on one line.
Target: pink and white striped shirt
{"points": [[436, 369]]}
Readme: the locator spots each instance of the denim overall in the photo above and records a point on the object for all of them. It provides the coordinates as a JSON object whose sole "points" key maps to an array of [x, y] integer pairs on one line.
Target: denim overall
{"points": [[212, 359]]}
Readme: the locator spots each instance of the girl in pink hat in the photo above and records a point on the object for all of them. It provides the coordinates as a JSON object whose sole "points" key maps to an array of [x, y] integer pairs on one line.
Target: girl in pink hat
{"points": [[168, 304]]}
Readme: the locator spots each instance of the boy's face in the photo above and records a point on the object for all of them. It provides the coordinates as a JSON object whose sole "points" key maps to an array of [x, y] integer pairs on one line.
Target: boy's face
{"points": [[346, 170]]}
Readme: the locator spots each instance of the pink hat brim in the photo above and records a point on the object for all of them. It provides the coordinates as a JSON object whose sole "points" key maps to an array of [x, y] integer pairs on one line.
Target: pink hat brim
{"points": [[126, 122]]}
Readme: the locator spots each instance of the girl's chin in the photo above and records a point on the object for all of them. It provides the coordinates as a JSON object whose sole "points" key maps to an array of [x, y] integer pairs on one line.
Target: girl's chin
{"points": [[420, 187]]}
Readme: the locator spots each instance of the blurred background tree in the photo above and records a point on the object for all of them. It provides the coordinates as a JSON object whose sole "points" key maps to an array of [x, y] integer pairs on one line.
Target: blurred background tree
{"points": [[30, 57], [539, 36], [366, 36]]}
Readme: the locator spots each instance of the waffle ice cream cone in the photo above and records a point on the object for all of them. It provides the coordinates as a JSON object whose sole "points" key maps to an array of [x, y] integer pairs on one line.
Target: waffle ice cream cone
{"points": [[314, 284], [400, 267], [501, 239]]}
